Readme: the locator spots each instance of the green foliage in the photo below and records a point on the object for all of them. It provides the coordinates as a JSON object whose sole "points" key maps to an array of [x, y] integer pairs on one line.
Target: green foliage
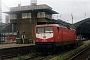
{"points": [[20, 57], [48, 57], [32, 54], [67, 54]]}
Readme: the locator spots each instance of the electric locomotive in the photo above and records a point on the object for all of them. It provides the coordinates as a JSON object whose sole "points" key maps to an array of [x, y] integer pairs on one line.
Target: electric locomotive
{"points": [[51, 36]]}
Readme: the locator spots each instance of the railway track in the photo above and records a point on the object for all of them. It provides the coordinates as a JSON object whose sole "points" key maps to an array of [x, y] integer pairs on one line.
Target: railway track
{"points": [[88, 58], [9, 53], [37, 58], [7, 56], [81, 55]]}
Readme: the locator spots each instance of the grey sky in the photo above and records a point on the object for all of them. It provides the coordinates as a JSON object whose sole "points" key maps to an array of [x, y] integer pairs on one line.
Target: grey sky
{"points": [[78, 8]]}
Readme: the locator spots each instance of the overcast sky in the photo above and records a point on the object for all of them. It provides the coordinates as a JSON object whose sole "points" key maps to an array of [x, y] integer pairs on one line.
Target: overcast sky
{"points": [[80, 9]]}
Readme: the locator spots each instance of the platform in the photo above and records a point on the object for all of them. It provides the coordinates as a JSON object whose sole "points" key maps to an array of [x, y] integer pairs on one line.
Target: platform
{"points": [[4, 46], [12, 50], [86, 42]]}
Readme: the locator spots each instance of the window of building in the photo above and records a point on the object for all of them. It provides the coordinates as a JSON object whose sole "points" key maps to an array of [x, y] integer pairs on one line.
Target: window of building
{"points": [[49, 16], [26, 15], [29, 15], [41, 14], [13, 16]]}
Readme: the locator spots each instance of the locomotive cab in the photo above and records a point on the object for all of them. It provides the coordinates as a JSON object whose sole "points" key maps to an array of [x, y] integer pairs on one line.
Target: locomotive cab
{"points": [[44, 38]]}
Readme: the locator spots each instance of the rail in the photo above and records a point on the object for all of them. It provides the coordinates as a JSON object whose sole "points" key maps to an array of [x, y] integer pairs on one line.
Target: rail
{"points": [[79, 53]]}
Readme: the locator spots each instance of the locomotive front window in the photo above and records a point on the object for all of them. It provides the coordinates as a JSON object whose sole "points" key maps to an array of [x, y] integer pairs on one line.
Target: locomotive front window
{"points": [[40, 30], [48, 29]]}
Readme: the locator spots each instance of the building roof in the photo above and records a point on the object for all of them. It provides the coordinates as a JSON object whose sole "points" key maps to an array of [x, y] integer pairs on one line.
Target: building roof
{"points": [[37, 10], [31, 8]]}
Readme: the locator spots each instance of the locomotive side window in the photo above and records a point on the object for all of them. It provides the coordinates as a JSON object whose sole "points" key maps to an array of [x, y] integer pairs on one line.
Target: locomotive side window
{"points": [[40, 30], [48, 29]]}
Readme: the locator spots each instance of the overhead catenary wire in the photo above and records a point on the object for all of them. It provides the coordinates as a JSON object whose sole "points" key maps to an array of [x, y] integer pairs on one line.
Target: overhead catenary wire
{"points": [[71, 15], [78, 6], [82, 6], [87, 8]]}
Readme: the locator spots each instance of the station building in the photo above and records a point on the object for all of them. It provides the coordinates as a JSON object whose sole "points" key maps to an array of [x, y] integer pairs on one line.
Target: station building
{"points": [[23, 19]]}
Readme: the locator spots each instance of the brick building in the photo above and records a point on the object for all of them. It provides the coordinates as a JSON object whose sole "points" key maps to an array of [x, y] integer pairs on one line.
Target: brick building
{"points": [[25, 18]]}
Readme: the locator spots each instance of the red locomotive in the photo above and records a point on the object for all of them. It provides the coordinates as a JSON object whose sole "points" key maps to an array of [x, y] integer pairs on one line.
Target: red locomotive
{"points": [[52, 36]]}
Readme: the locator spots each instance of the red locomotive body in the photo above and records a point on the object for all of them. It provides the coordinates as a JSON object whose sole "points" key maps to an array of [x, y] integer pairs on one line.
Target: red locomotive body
{"points": [[54, 35]]}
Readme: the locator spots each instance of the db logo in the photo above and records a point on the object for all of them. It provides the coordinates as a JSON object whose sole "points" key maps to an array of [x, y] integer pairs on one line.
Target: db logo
{"points": [[44, 36]]}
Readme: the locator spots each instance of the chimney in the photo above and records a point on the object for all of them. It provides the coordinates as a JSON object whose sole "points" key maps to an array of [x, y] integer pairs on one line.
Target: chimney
{"points": [[33, 2], [19, 6]]}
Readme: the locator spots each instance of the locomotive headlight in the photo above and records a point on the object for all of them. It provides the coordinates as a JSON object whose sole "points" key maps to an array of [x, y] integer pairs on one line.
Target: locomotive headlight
{"points": [[36, 40], [51, 40]]}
